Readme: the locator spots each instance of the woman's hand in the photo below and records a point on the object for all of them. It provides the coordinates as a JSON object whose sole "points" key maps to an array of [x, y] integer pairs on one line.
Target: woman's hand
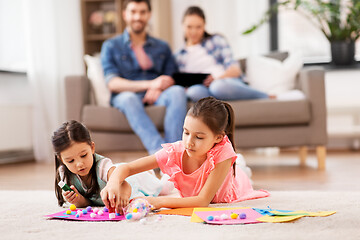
{"points": [[208, 80]]}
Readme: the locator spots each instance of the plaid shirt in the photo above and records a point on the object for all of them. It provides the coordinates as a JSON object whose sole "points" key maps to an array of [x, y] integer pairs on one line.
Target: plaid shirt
{"points": [[216, 46]]}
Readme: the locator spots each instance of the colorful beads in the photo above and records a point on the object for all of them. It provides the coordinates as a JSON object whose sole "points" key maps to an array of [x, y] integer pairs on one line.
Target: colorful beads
{"points": [[72, 207], [138, 208], [234, 216], [68, 212]]}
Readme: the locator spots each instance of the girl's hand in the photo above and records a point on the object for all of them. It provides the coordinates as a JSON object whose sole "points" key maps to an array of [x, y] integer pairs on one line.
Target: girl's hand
{"points": [[125, 193], [108, 194], [154, 201], [208, 80], [72, 197]]}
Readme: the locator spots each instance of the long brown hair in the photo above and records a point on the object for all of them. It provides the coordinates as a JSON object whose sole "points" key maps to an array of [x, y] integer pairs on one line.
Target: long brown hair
{"points": [[195, 10], [217, 115], [68, 133]]}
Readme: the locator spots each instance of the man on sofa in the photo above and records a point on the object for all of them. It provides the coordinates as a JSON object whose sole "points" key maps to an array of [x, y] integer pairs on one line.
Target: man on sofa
{"points": [[138, 69]]}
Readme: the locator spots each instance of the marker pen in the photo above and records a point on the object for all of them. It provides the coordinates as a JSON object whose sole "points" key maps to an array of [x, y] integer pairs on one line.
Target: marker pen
{"points": [[64, 186]]}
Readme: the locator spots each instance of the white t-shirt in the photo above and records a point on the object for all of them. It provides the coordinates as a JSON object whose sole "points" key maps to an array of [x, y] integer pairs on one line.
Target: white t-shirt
{"points": [[199, 61], [104, 166]]}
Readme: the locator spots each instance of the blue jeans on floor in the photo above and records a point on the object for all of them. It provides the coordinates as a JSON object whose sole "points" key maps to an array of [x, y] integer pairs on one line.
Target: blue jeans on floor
{"points": [[173, 98], [225, 89]]}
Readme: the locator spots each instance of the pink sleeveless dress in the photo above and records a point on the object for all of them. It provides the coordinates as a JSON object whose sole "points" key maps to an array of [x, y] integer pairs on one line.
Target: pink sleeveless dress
{"points": [[233, 189]]}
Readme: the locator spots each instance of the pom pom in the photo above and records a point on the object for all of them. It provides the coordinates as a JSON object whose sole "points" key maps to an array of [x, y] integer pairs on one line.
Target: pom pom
{"points": [[129, 216], [96, 210], [234, 216], [72, 207], [224, 217], [216, 218], [84, 211], [77, 215], [92, 215], [68, 212], [106, 209], [210, 218], [88, 208], [100, 212], [242, 215]]}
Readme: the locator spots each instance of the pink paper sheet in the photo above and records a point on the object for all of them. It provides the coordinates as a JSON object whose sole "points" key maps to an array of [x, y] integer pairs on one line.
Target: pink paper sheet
{"points": [[84, 217], [251, 216]]}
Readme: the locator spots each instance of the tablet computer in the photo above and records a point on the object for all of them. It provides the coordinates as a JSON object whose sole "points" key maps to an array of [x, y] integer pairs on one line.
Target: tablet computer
{"points": [[189, 79]]}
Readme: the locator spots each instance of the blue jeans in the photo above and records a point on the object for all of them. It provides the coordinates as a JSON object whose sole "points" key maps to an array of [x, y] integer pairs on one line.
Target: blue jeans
{"points": [[225, 89], [173, 98]]}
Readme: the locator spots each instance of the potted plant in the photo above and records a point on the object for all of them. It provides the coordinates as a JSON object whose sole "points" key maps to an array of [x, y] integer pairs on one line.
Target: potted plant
{"points": [[338, 20]]}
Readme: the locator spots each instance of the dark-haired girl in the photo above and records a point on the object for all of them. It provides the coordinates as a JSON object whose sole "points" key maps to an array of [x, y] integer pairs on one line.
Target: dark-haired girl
{"points": [[201, 165], [87, 173]]}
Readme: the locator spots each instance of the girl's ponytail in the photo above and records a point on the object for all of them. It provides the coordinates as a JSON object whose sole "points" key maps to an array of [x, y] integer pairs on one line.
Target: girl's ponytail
{"points": [[229, 129]]}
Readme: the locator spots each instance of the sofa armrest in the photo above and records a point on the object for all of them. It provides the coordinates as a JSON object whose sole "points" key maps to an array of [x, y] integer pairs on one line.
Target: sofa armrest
{"points": [[312, 83], [77, 91]]}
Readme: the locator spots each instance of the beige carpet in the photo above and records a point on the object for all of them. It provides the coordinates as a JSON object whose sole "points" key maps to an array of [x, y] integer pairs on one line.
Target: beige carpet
{"points": [[22, 213]]}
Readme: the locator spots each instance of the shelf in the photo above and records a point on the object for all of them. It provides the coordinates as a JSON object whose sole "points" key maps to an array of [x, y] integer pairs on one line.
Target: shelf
{"points": [[97, 0], [99, 37]]}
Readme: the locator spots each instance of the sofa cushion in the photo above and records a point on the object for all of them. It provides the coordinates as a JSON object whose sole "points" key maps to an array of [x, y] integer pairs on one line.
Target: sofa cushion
{"points": [[98, 118], [271, 112], [271, 75]]}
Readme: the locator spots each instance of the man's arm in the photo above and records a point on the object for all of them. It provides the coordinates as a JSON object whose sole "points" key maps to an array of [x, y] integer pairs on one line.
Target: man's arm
{"points": [[118, 84]]}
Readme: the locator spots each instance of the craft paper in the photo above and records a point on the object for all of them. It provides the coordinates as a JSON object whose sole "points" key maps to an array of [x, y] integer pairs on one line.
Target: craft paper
{"points": [[251, 216], [281, 216], [267, 211], [305, 213], [177, 211], [84, 217], [196, 218], [278, 219]]}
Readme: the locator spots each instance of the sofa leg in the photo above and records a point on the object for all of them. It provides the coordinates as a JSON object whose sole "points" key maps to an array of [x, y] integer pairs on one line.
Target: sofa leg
{"points": [[321, 157], [303, 154]]}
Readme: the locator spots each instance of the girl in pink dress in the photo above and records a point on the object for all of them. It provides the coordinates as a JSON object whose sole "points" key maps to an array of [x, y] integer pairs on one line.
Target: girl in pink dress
{"points": [[201, 166]]}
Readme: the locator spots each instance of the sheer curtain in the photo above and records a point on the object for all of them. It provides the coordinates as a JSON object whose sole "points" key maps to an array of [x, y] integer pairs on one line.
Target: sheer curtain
{"points": [[54, 50]]}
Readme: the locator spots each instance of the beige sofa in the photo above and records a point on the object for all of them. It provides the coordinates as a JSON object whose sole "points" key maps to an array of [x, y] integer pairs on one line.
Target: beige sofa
{"points": [[259, 123]]}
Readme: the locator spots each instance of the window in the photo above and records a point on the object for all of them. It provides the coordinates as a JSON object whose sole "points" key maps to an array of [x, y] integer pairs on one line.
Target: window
{"points": [[12, 37]]}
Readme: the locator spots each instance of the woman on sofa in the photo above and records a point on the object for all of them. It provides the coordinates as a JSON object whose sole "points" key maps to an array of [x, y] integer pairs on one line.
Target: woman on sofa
{"points": [[210, 53]]}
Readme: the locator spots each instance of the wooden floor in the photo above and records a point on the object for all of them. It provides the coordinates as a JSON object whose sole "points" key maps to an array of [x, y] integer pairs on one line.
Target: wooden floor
{"points": [[276, 172]]}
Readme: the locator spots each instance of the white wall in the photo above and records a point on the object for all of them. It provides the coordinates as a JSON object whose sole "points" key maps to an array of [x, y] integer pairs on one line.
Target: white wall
{"points": [[229, 18]]}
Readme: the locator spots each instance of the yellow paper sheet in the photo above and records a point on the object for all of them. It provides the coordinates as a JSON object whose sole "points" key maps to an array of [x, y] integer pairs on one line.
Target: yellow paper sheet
{"points": [[196, 218], [278, 219], [305, 213], [291, 216]]}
